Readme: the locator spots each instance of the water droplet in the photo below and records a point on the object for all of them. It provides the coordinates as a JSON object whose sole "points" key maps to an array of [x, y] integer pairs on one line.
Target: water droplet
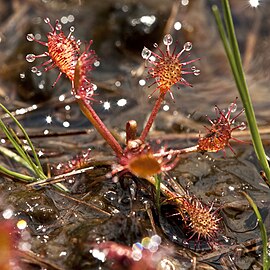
{"points": [[96, 63], [30, 37], [34, 69], [242, 126], [79, 42], [167, 40], [193, 68], [47, 20], [30, 58], [197, 72], [7, 213], [155, 45], [66, 124], [187, 46], [71, 18], [142, 82], [177, 26], [41, 84], [232, 107], [72, 29], [146, 53]]}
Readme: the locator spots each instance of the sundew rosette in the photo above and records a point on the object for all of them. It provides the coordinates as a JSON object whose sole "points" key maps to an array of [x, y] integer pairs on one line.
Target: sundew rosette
{"points": [[169, 67]]}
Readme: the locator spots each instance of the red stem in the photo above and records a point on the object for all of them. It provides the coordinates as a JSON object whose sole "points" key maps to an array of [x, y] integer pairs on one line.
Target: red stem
{"points": [[152, 117], [90, 113]]}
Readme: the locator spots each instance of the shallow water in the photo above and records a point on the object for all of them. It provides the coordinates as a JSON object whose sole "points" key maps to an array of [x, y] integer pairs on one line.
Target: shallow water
{"points": [[64, 228]]}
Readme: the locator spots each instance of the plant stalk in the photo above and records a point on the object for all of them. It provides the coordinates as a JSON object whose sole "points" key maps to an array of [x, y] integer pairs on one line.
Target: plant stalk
{"points": [[90, 113], [152, 117]]}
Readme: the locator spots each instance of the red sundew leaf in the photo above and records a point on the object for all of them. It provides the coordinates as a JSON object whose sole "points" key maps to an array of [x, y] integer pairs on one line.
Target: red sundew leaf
{"points": [[220, 132], [63, 51]]}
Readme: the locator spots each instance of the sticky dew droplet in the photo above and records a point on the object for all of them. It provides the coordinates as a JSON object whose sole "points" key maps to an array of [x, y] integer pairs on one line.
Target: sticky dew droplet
{"points": [[196, 72], [38, 73], [167, 40], [30, 37], [232, 107], [30, 58], [146, 53], [242, 126], [58, 26], [187, 46], [34, 69], [47, 20], [152, 58]]}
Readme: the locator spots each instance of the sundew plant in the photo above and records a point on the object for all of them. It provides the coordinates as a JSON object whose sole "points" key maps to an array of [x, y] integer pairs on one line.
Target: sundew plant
{"points": [[178, 216]]}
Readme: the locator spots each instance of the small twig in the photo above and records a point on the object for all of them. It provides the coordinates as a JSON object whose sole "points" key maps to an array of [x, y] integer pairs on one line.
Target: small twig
{"points": [[58, 178], [84, 203], [34, 258]]}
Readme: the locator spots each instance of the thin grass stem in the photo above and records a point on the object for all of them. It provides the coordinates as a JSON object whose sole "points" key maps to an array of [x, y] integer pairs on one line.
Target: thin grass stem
{"points": [[265, 256], [12, 174], [7, 132], [157, 184], [5, 151]]}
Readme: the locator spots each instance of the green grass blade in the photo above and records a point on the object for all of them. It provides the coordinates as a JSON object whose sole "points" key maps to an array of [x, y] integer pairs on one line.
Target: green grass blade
{"points": [[226, 44], [265, 257], [12, 174], [28, 159], [157, 185], [18, 148], [25, 135], [12, 137], [231, 33], [5, 151]]}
